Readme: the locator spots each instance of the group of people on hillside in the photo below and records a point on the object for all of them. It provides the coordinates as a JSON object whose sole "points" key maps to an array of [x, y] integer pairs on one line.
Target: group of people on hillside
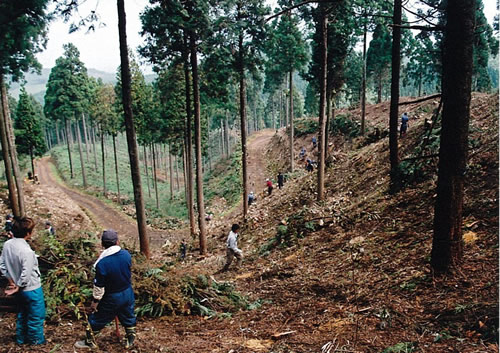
{"points": [[112, 294]]}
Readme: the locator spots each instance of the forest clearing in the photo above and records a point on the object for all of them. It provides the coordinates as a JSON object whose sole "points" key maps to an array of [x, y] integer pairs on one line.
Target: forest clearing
{"points": [[255, 176]]}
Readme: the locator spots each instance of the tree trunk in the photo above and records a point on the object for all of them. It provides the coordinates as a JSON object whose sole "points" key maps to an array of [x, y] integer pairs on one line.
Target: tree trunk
{"points": [[94, 149], [145, 157], [66, 123], [155, 180], [241, 72], [379, 88], [226, 133], [447, 244], [116, 169], [171, 168], [394, 113], [130, 129], [86, 137], [14, 205], [176, 173], [12, 148], [103, 157], [291, 123], [322, 102], [328, 120], [32, 162], [222, 151], [57, 134], [197, 138], [363, 80], [189, 140], [82, 163]]}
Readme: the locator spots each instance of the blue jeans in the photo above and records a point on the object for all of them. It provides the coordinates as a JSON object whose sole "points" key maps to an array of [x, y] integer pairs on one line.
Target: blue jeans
{"points": [[30, 318], [119, 304]]}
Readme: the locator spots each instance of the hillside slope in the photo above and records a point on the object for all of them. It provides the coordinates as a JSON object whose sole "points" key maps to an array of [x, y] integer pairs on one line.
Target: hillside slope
{"points": [[352, 273]]}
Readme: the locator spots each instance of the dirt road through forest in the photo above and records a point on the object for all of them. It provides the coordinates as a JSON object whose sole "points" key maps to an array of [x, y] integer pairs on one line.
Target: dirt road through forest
{"points": [[257, 146], [104, 215]]}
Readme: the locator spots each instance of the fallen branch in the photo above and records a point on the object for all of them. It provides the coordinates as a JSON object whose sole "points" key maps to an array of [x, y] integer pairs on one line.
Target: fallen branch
{"points": [[437, 95]]}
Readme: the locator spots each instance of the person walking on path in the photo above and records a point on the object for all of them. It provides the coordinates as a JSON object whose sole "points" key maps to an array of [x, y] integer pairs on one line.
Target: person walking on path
{"points": [[112, 293], [232, 250], [270, 187], [281, 180], [404, 125], [19, 264]]}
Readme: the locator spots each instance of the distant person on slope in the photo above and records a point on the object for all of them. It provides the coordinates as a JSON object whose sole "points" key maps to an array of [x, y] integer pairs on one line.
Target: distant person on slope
{"points": [[251, 198], [232, 250], [315, 142], [50, 230], [270, 187], [112, 293], [281, 180], [8, 225], [302, 153], [404, 125]]}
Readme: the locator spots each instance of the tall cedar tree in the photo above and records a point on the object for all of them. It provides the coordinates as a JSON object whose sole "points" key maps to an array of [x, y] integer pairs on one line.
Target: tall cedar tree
{"points": [[130, 131], [456, 82], [67, 91], [29, 135], [165, 27], [289, 53], [394, 112], [22, 35]]}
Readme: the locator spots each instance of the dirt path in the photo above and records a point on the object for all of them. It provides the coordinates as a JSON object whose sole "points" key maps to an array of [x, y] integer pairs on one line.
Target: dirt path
{"points": [[257, 146], [102, 214]]}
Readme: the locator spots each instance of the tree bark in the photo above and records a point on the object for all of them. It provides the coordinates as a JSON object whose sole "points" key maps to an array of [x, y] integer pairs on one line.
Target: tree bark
{"points": [[93, 148], [322, 102], [241, 72], [197, 138], [146, 168], [130, 129], [116, 169], [57, 134], [171, 168], [363, 80], [188, 141], [176, 173], [8, 162], [447, 244], [12, 148], [86, 137], [155, 180], [394, 112], [103, 157], [66, 123], [82, 162], [291, 123]]}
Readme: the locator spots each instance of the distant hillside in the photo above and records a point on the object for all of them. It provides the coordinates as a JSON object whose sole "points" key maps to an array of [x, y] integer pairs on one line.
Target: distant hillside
{"points": [[35, 84]]}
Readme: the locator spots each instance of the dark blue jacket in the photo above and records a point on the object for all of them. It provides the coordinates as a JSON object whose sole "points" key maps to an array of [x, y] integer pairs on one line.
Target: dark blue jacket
{"points": [[113, 272]]}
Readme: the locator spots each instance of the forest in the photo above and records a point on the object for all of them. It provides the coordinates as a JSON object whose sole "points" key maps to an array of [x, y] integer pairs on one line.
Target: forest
{"points": [[353, 142]]}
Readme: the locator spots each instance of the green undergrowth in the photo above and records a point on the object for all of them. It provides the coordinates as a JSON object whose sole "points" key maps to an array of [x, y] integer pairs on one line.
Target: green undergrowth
{"points": [[168, 207], [224, 181], [67, 274]]}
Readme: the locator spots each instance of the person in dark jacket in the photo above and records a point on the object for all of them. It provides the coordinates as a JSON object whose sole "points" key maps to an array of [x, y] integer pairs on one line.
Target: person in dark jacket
{"points": [[281, 180], [112, 294]]}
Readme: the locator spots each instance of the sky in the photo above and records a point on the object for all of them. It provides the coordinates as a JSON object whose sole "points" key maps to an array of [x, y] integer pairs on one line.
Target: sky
{"points": [[100, 49]]}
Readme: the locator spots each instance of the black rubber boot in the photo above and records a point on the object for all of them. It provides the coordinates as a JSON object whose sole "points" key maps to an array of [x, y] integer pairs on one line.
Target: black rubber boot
{"points": [[129, 336]]}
